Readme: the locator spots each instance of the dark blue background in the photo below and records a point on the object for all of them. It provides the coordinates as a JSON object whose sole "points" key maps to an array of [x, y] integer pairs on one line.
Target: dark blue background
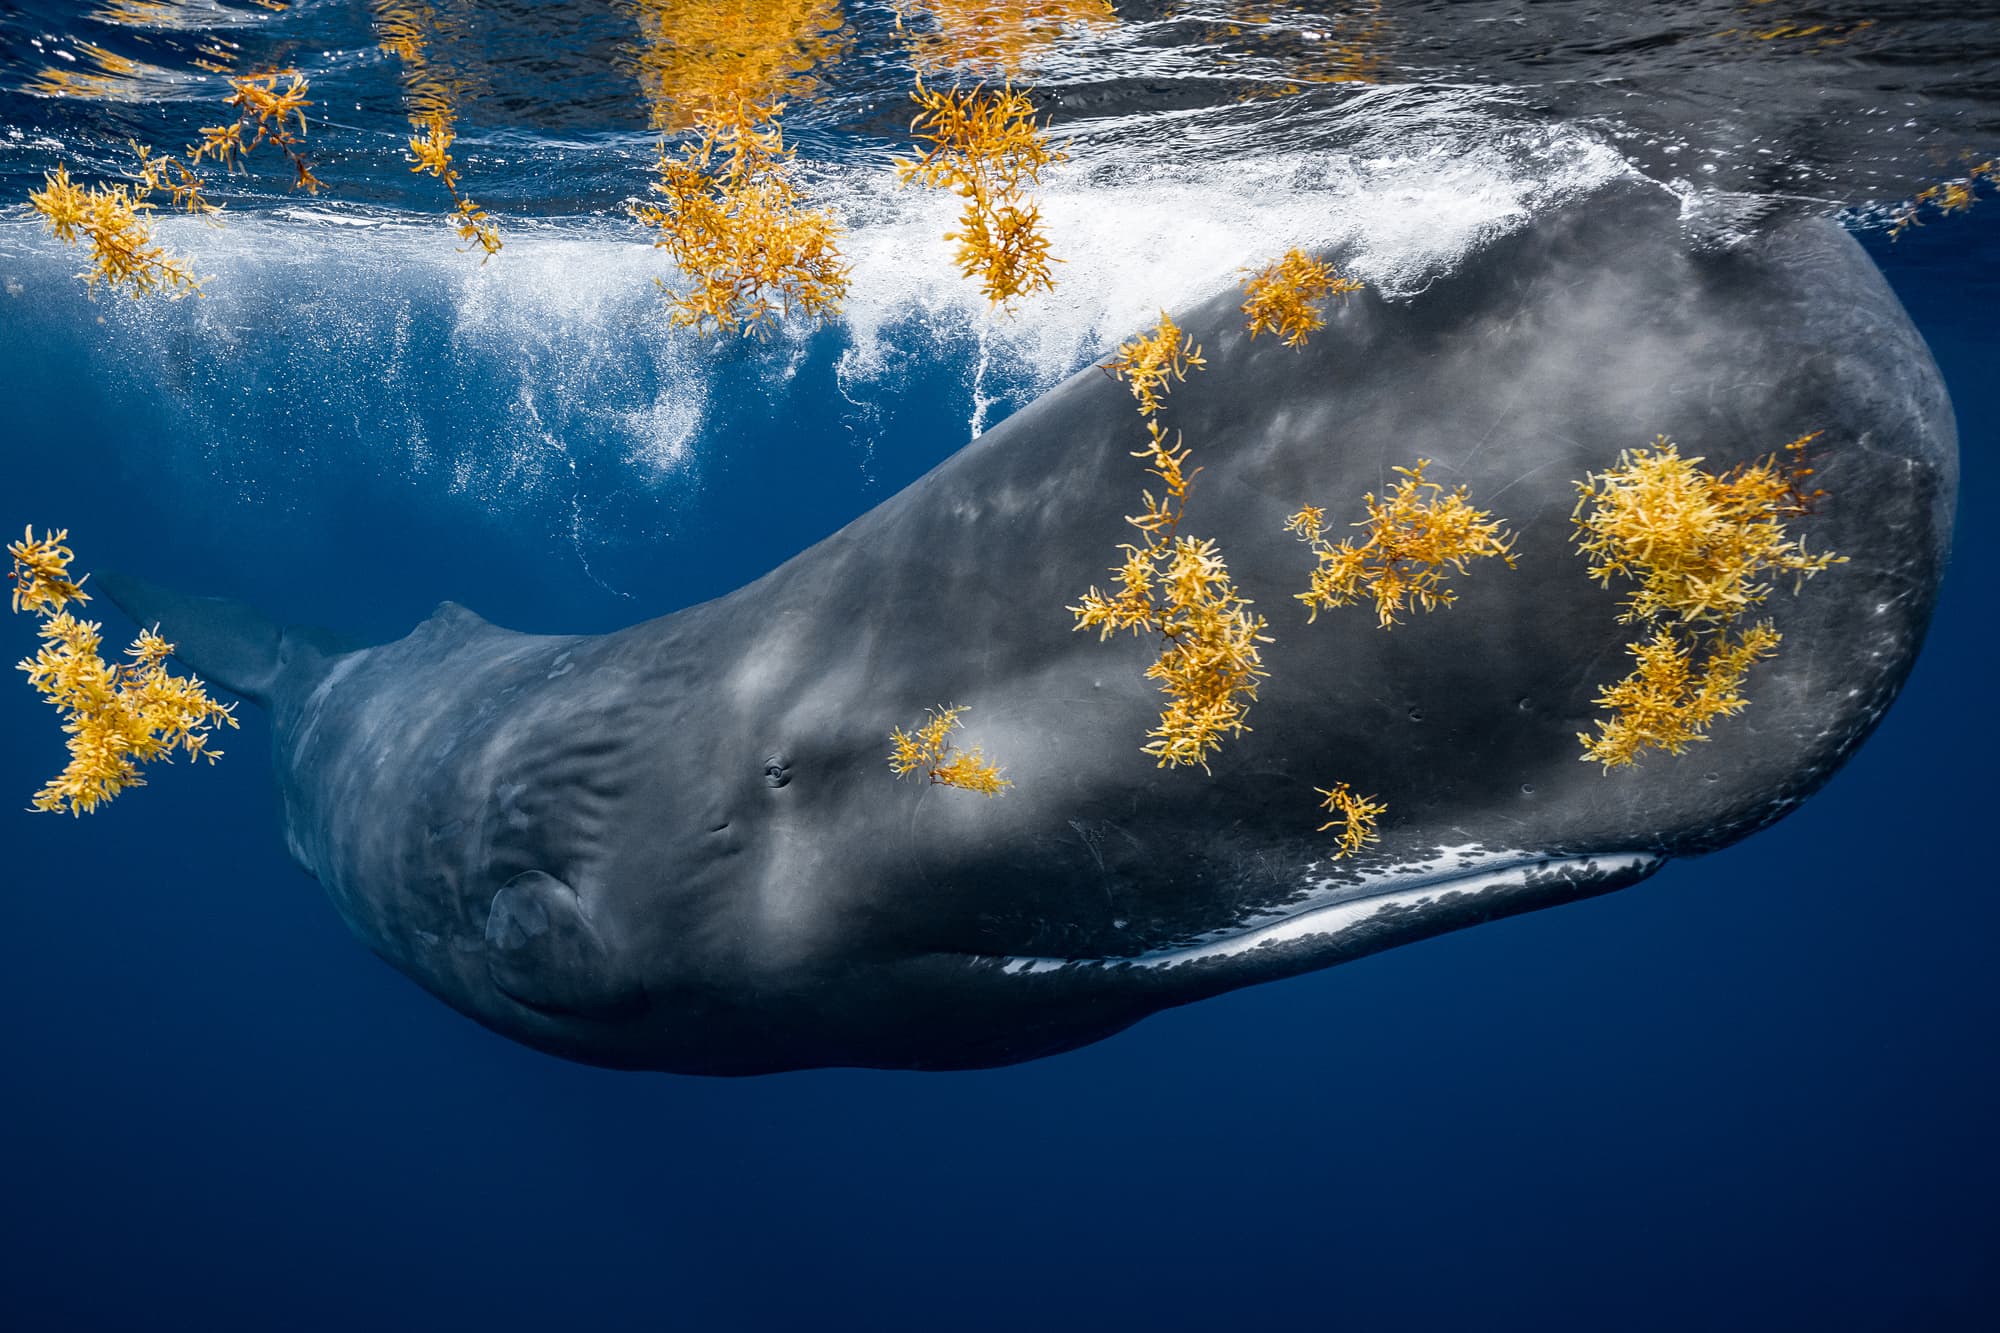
{"points": [[1756, 1092]]}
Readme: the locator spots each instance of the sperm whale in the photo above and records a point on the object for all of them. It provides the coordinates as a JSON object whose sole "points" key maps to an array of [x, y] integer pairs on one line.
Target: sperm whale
{"points": [[678, 846]]}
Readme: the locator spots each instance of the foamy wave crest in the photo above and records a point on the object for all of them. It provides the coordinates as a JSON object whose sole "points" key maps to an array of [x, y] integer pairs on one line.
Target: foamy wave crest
{"points": [[328, 347], [549, 380], [1162, 225]]}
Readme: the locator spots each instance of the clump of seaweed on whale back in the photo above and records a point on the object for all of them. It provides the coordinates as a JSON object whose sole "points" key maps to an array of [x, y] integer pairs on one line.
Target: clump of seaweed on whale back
{"points": [[1355, 815], [1285, 296], [1175, 586], [118, 716], [1416, 536], [1152, 364], [930, 751], [1703, 548]]}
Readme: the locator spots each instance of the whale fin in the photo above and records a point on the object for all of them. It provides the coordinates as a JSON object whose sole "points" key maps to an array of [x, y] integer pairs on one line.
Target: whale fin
{"points": [[225, 643], [544, 951]]}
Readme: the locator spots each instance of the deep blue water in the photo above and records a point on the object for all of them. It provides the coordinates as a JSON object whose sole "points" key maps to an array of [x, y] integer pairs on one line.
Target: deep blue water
{"points": [[1758, 1091]]}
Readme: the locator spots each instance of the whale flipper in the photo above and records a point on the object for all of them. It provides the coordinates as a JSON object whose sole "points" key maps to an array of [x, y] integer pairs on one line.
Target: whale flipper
{"points": [[545, 952], [224, 642]]}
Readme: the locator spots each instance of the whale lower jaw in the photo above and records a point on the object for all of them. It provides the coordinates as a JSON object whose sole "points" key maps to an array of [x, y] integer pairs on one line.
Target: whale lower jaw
{"points": [[1405, 908]]}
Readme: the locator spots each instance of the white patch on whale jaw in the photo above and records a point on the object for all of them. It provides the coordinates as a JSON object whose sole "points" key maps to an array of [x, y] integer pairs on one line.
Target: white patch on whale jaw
{"points": [[1402, 890]]}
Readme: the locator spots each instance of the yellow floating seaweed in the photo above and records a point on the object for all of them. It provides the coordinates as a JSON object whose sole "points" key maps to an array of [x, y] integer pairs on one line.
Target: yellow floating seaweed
{"points": [[1356, 816], [1153, 363], [42, 585], [267, 114], [430, 150], [1702, 547], [998, 37], [115, 222], [1760, 24], [1668, 702], [433, 94], [96, 74], [696, 58], [117, 716], [1343, 43], [930, 751], [981, 142], [1947, 197], [1178, 587], [1283, 297], [737, 227], [1417, 536], [985, 145], [733, 220]]}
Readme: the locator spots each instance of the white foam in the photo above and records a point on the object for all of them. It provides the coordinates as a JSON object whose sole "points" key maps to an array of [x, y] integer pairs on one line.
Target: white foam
{"points": [[539, 381], [550, 377], [1139, 234]]}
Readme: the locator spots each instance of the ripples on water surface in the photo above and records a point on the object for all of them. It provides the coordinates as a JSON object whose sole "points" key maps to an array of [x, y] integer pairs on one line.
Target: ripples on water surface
{"points": [[1201, 137], [1829, 105]]}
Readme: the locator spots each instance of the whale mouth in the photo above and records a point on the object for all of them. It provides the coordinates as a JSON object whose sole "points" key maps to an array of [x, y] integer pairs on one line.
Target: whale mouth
{"points": [[1398, 907]]}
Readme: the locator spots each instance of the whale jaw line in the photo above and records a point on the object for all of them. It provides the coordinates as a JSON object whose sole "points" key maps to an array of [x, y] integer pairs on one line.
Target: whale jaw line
{"points": [[1401, 911]]}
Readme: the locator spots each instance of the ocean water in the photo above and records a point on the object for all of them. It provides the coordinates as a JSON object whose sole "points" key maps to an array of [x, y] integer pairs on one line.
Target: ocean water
{"points": [[1755, 1092]]}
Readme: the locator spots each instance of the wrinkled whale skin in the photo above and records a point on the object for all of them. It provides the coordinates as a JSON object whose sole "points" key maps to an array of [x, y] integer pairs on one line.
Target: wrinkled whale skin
{"points": [[679, 846]]}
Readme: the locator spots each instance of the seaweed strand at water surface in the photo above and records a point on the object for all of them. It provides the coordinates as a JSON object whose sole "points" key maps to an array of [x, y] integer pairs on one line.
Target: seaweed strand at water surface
{"points": [[115, 220], [984, 145], [733, 218], [433, 92]]}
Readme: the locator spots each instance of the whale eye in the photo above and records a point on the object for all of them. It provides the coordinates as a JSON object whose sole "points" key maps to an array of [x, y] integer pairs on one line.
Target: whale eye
{"points": [[777, 771]]}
